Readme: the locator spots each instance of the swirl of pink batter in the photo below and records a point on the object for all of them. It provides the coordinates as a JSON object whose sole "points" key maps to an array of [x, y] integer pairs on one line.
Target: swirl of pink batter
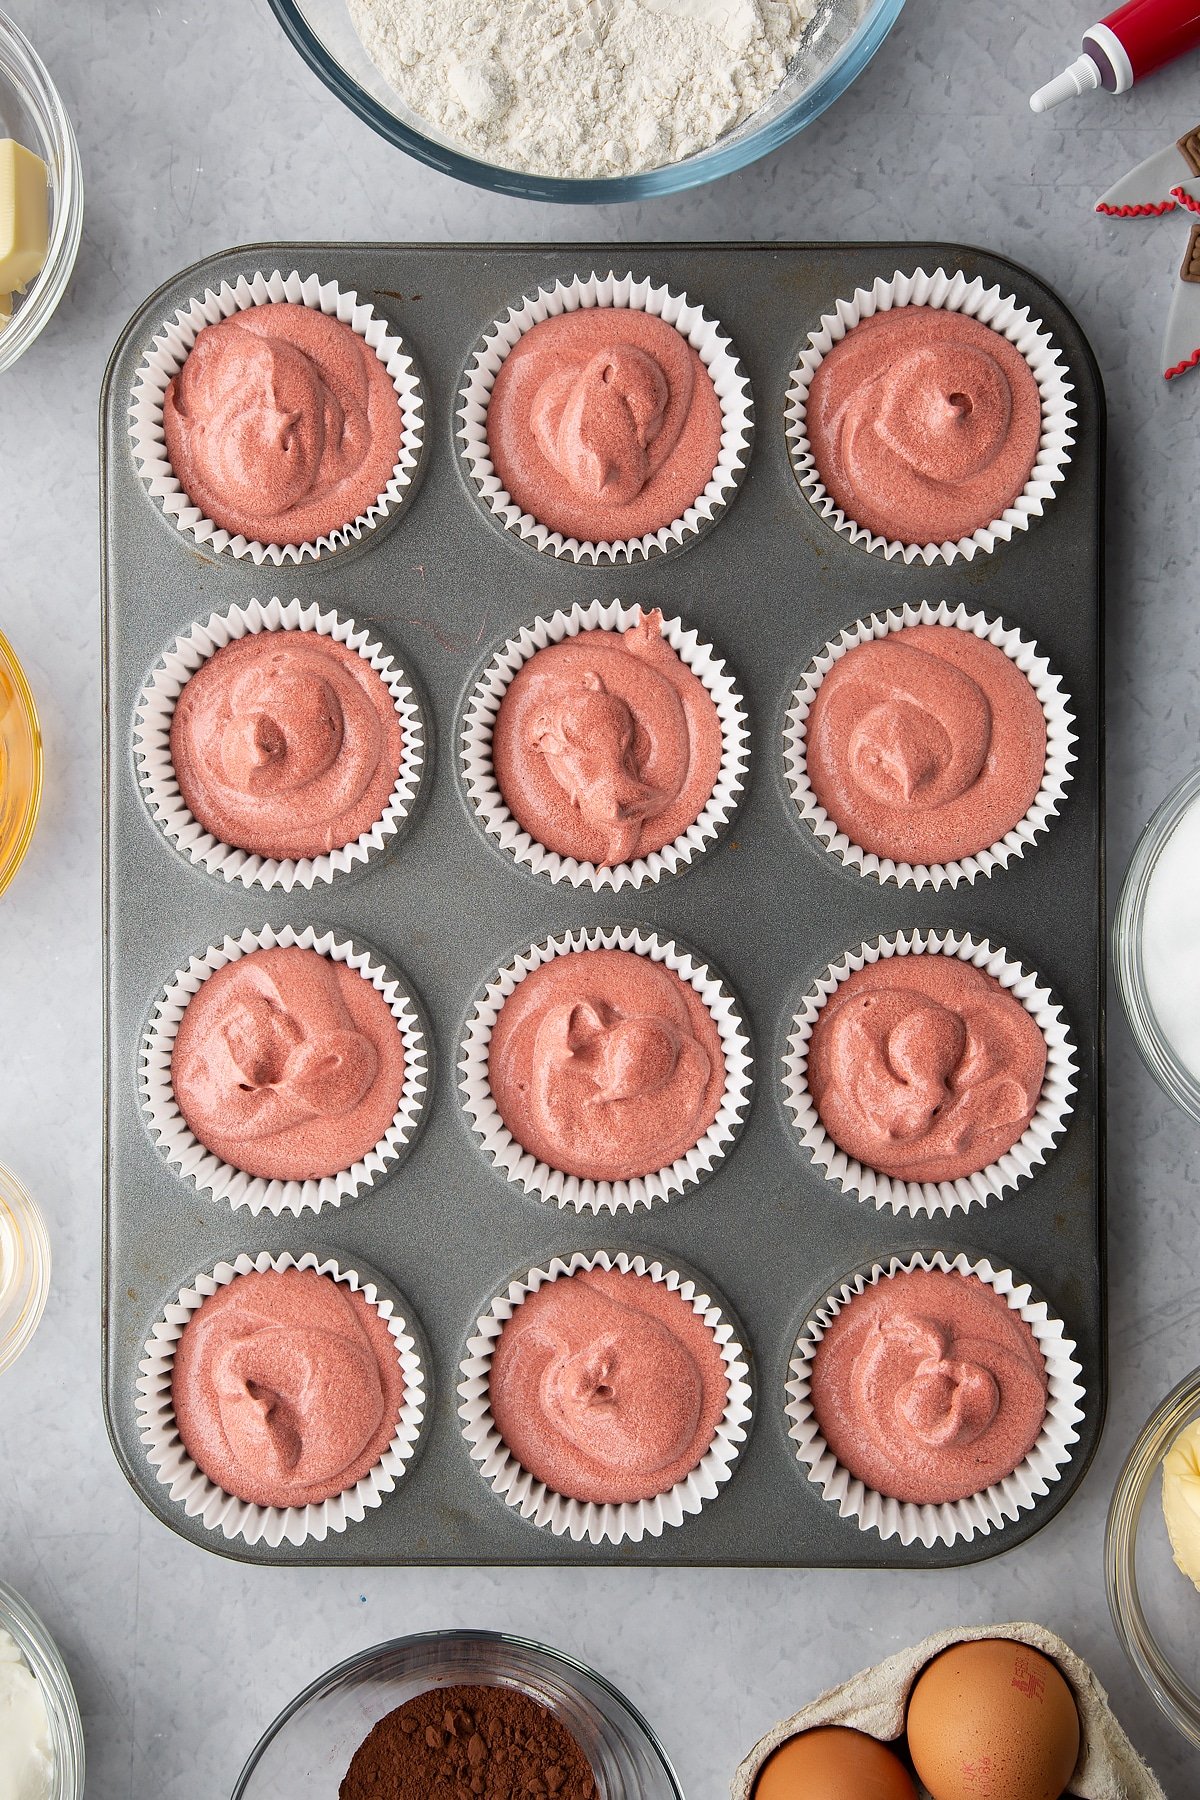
{"points": [[607, 1386], [924, 1067], [604, 423], [286, 743], [288, 1065], [282, 424], [929, 1387], [286, 1387], [924, 424], [926, 745], [606, 745], [605, 1064]]}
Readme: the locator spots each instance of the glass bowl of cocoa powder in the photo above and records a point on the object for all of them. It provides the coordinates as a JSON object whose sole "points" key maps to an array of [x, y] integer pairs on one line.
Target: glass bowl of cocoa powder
{"points": [[337, 1737]]}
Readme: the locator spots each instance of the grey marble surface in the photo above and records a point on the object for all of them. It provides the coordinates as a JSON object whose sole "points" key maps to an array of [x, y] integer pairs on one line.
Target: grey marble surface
{"points": [[200, 128]]}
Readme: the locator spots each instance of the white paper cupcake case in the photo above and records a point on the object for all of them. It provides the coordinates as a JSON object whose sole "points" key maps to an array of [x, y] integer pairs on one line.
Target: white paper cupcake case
{"points": [[156, 771], [203, 1499], [630, 1521], [715, 352], [484, 790], [1060, 748], [934, 1197], [167, 355], [981, 1513], [210, 1174], [955, 293], [584, 1194]]}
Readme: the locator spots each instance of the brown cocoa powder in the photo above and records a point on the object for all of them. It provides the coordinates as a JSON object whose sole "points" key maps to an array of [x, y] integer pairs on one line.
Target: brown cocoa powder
{"points": [[469, 1743]]}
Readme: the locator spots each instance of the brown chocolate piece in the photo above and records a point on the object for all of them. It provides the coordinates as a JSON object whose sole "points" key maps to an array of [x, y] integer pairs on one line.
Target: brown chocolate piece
{"points": [[1190, 269], [1189, 149], [469, 1743]]}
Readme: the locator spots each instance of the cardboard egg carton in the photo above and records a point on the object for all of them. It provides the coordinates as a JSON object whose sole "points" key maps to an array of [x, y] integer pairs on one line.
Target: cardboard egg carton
{"points": [[876, 1702]]}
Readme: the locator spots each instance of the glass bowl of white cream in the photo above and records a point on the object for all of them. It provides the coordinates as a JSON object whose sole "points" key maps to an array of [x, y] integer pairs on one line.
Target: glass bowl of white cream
{"points": [[1156, 944], [41, 1743]]}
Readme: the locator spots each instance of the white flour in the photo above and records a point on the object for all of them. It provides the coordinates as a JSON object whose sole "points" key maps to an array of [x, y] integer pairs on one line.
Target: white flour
{"points": [[582, 87]]}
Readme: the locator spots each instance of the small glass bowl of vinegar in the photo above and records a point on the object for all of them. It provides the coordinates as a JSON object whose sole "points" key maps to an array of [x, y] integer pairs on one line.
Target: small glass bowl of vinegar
{"points": [[20, 763]]}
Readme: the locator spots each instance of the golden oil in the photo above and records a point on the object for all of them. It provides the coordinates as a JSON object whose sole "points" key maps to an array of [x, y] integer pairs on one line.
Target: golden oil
{"points": [[20, 763]]}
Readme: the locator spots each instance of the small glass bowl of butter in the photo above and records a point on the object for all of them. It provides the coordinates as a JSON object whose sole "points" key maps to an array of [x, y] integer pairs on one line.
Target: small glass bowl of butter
{"points": [[41, 1744], [24, 1270], [34, 130], [1155, 1606]]}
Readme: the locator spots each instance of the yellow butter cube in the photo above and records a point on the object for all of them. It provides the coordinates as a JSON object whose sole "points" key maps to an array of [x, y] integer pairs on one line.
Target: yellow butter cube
{"points": [[6, 310], [24, 216]]}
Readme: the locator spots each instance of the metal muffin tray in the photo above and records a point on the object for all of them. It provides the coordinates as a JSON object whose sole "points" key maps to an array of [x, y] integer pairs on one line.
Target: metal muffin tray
{"points": [[767, 905]]}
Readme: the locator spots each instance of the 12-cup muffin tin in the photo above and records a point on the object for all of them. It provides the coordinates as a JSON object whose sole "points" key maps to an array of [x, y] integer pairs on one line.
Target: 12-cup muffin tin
{"points": [[444, 587]]}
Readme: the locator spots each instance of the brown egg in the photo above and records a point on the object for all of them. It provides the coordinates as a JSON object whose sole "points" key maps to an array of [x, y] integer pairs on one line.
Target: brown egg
{"points": [[834, 1763], [993, 1720]]}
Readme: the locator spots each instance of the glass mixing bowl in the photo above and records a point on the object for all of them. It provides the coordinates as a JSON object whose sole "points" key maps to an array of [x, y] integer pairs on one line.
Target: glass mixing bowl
{"points": [[306, 1752], [1172, 1075], [31, 112], [1154, 1606], [840, 41], [62, 1709]]}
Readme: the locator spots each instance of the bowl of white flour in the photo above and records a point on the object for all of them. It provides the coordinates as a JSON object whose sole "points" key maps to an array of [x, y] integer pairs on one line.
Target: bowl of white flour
{"points": [[587, 100]]}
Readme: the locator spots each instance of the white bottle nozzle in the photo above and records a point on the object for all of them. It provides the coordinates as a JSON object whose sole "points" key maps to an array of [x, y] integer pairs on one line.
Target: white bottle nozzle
{"points": [[1081, 78]]}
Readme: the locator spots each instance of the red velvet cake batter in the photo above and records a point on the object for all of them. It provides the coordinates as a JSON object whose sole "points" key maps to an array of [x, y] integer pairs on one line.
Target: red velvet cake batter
{"points": [[288, 1065], [286, 743], [287, 1387], [924, 424], [924, 1067], [926, 745], [607, 1386], [606, 746], [604, 423], [606, 1064], [282, 424], [929, 1387]]}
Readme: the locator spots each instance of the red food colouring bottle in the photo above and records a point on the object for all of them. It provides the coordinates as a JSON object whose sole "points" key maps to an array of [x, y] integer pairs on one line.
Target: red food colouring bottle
{"points": [[1133, 41]]}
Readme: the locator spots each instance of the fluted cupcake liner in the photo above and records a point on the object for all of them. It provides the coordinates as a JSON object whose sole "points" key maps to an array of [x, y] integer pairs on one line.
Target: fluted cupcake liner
{"points": [[935, 1197], [484, 790], [1003, 313], [714, 350], [183, 1150], [156, 770], [1060, 747], [629, 1521], [580, 1192], [187, 1483], [166, 356], [994, 1506]]}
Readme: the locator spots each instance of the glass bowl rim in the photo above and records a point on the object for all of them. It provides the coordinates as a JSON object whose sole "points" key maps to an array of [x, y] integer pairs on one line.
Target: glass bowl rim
{"points": [[15, 1196], [66, 232], [1171, 1693], [721, 158], [1175, 1080], [453, 1635], [43, 1656], [11, 667]]}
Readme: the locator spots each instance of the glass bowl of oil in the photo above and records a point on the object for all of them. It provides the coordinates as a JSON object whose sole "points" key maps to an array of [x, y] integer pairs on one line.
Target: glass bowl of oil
{"points": [[20, 763]]}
